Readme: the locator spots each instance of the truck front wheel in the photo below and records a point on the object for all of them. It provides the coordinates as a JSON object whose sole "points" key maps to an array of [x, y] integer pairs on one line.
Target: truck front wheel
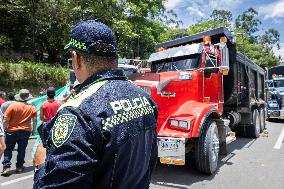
{"points": [[207, 148], [262, 119], [256, 127]]}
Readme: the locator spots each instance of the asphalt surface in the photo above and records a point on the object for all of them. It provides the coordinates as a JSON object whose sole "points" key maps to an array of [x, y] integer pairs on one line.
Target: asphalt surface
{"points": [[251, 163]]}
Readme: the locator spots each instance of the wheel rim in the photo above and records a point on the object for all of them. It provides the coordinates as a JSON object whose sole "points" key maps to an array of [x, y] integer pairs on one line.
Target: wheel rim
{"points": [[215, 148], [262, 118], [257, 122]]}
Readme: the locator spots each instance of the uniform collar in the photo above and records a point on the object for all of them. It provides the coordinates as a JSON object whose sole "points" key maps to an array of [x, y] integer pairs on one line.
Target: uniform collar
{"points": [[114, 74]]}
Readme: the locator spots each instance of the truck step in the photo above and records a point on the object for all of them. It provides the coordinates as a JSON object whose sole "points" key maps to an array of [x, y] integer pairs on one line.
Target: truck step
{"points": [[231, 137], [265, 133]]}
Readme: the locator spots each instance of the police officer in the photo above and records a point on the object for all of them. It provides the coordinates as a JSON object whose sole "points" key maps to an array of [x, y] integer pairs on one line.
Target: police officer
{"points": [[104, 136]]}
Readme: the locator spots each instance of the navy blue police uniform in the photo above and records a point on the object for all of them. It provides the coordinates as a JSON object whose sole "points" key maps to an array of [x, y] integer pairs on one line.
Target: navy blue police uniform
{"points": [[103, 137], [108, 141]]}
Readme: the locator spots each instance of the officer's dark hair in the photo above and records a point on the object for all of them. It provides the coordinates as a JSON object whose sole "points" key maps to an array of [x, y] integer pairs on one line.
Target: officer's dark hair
{"points": [[99, 63]]}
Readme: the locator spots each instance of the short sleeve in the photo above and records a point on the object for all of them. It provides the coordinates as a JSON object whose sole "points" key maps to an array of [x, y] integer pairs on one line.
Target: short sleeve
{"points": [[8, 112], [34, 111]]}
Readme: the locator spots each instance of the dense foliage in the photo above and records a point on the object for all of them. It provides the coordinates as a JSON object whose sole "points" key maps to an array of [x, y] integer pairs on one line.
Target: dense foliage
{"points": [[42, 26], [36, 77]]}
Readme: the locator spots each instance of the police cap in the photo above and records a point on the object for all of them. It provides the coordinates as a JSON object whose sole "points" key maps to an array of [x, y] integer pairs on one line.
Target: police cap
{"points": [[93, 37]]}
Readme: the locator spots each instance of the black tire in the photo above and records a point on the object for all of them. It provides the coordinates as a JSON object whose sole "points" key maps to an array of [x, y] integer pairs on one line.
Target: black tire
{"points": [[207, 148], [256, 126], [262, 119]]}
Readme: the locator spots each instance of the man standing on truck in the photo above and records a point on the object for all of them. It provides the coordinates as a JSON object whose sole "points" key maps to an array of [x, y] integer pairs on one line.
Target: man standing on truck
{"points": [[104, 136]]}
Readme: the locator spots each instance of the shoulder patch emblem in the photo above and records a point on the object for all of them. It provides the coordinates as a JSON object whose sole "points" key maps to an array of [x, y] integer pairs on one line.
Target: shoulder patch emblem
{"points": [[62, 129]]}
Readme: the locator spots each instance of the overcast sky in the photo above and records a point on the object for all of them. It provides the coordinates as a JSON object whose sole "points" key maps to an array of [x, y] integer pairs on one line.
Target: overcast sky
{"points": [[271, 12]]}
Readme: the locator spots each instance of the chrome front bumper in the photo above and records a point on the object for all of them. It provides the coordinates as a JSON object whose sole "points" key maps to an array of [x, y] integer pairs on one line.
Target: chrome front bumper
{"points": [[275, 114]]}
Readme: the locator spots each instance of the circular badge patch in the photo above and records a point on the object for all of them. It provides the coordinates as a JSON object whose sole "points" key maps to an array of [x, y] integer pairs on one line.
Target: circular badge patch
{"points": [[63, 128]]}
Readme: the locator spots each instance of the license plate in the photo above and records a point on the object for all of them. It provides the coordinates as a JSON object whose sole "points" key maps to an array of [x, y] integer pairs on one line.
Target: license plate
{"points": [[168, 146], [171, 146]]}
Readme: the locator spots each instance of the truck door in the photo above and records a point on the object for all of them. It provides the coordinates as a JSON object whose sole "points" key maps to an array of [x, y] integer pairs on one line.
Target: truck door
{"points": [[212, 88]]}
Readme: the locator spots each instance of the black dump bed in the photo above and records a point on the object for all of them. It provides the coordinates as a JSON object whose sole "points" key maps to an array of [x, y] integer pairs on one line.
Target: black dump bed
{"points": [[215, 35]]}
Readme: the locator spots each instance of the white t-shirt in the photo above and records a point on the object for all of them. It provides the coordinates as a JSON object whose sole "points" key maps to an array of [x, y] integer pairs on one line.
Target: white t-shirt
{"points": [[1, 124]]}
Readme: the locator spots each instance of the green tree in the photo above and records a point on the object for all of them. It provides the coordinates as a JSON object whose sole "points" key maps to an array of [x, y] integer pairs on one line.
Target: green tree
{"points": [[218, 18], [15, 20], [136, 23], [172, 33], [249, 22], [258, 53], [270, 38], [222, 15], [205, 25], [52, 26]]}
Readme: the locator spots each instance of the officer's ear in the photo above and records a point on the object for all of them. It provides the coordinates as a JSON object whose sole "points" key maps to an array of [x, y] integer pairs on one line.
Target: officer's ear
{"points": [[76, 60]]}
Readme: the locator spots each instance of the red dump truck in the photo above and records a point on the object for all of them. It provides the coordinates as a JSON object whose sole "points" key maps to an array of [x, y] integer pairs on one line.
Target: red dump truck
{"points": [[204, 89]]}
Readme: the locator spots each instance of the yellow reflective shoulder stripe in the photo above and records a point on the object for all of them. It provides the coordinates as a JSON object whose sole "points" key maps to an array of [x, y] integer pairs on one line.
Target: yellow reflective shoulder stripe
{"points": [[78, 99]]}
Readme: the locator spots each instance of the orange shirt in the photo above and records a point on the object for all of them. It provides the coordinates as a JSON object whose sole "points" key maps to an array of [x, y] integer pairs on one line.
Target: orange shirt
{"points": [[19, 115], [49, 109]]}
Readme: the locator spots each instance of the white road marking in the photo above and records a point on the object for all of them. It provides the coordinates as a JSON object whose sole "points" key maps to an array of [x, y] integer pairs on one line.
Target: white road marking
{"points": [[279, 141], [17, 180], [172, 185]]}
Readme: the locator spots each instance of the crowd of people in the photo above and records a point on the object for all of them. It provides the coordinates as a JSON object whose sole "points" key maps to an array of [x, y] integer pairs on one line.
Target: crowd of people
{"points": [[18, 121], [103, 136]]}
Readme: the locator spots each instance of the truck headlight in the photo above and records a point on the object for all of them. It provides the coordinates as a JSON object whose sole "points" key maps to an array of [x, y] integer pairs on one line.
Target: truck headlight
{"points": [[180, 124], [174, 123]]}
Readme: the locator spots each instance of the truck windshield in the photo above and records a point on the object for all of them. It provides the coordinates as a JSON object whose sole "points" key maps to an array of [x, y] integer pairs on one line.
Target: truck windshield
{"points": [[279, 83], [175, 64]]}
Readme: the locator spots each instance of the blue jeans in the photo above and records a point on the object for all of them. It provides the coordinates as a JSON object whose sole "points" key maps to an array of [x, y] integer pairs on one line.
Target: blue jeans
{"points": [[22, 139]]}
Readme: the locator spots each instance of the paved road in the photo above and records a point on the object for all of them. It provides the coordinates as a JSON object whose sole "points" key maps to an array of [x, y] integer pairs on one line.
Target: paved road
{"points": [[250, 164], [23, 180]]}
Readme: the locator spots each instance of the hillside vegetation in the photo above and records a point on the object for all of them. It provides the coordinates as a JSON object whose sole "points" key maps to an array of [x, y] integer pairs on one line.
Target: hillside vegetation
{"points": [[36, 77]]}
